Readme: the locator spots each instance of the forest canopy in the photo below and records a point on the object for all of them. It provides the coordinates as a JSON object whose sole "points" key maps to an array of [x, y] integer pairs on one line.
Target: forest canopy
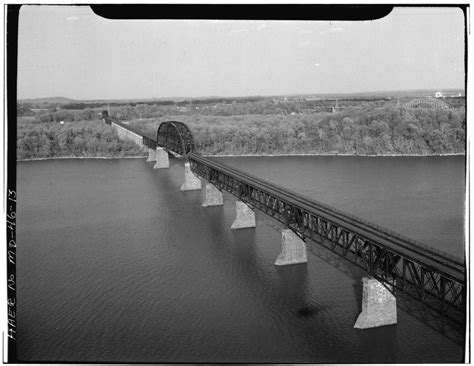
{"points": [[249, 126], [376, 132], [79, 139]]}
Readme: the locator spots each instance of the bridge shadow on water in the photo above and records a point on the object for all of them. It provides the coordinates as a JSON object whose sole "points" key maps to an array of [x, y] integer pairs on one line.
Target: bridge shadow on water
{"points": [[284, 291]]}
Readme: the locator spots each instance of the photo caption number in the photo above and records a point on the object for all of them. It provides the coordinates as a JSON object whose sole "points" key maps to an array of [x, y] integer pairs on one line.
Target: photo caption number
{"points": [[11, 195]]}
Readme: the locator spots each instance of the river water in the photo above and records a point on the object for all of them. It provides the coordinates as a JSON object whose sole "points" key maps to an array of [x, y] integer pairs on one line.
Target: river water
{"points": [[115, 264]]}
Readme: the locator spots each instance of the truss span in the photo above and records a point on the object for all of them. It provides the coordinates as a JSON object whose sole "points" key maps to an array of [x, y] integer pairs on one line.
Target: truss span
{"points": [[176, 137]]}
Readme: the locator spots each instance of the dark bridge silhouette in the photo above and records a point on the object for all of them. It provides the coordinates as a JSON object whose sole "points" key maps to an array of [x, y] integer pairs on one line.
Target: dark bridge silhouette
{"points": [[174, 136], [435, 278]]}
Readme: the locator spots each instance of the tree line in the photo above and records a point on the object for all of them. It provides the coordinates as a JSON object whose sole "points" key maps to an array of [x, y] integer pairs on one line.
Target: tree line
{"points": [[69, 112], [368, 131], [374, 132]]}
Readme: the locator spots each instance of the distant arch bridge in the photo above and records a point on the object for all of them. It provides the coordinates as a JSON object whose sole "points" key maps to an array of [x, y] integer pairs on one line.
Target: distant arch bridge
{"points": [[428, 103]]}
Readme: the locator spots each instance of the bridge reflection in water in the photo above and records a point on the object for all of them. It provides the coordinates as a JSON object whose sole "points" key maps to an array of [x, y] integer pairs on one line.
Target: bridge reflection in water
{"points": [[393, 262]]}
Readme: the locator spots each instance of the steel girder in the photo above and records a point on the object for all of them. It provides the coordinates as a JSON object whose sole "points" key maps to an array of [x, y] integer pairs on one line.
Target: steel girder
{"points": [[424, 282]]}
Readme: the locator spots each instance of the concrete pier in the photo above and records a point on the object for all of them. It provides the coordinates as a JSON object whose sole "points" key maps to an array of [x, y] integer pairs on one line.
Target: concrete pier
{"points": [[191, 182], [245, 217], [379, 306], [162, 159], [293, 249], [151, 155], [213, 196]]}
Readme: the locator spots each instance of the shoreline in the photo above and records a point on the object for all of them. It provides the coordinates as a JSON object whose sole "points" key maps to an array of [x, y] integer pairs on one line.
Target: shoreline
{"points": [[328, 154], [83, 157], [243, 156]]}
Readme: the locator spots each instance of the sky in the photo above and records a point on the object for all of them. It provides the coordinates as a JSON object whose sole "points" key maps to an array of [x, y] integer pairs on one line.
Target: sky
{"points": [[69, 51]]}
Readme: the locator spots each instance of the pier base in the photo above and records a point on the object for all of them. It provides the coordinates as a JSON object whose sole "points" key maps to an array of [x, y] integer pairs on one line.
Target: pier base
{"points": [[191, 182], [151, 155], [245, 217], [162, 159], [293, 249], [213, 196], [379, 306]]}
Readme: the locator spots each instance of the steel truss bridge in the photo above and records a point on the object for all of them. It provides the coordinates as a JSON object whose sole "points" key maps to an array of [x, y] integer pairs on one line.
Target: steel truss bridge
{"points": [[435, 278]]}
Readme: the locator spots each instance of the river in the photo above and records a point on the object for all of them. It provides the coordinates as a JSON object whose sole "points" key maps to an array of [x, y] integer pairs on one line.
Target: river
{"points": [[115, 264]]}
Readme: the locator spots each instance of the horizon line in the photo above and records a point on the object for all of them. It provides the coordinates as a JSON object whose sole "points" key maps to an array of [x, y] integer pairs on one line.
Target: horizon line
{"points": [[248, 95]]}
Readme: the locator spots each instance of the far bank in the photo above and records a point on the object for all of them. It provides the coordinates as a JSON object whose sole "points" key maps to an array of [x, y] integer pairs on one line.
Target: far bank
{"points": [[143, 156]]}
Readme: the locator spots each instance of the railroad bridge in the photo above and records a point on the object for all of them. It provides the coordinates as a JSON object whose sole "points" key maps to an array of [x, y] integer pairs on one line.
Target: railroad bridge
{"points": [[393, 263]]}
